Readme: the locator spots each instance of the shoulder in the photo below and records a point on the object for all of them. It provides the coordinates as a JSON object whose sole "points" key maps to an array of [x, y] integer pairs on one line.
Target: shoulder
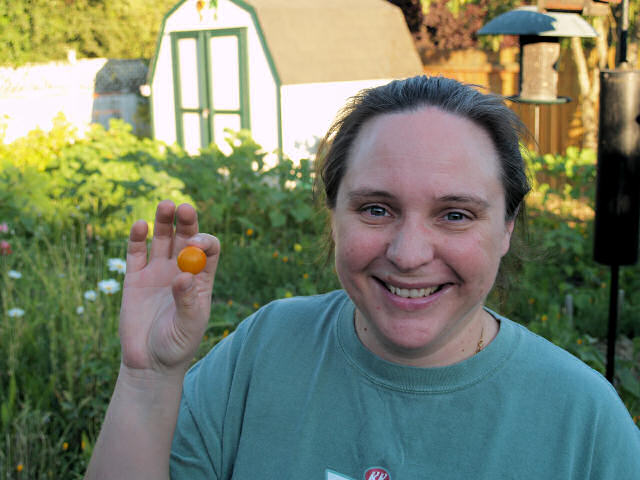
{"points": [[563, 390], [555, 371], [279, 325], [297, 314], [303, 307], [278, 336]]}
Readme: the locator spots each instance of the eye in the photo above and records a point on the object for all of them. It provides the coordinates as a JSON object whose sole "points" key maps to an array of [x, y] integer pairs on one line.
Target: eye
{"points": [[455, 216], [375, 211]]}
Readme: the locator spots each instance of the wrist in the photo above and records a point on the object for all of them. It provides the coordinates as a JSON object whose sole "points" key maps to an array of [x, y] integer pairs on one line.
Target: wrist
{"points": [[143, 383]]}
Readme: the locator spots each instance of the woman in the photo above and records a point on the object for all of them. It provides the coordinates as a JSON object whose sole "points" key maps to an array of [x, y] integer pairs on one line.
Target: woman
{"points": [[404, 374]]}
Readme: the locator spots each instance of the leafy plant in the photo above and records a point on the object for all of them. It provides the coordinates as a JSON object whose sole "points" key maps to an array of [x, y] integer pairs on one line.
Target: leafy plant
{"points": [[102, 182]]}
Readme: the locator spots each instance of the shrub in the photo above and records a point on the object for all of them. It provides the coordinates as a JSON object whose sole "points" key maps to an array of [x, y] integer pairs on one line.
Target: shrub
{"points": [[101, 182]]}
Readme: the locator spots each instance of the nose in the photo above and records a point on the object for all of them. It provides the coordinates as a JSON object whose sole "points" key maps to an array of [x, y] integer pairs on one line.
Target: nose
{"points": [[411, 246]]}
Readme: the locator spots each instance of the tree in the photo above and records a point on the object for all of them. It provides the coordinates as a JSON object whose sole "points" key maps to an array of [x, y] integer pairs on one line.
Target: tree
{"points": [[589, 80], [44, 30], [450, 24], [412, 10]]}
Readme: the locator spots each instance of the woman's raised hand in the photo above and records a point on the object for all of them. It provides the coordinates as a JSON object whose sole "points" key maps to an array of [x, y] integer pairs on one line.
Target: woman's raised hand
{"points": [[162, 320], [165, 311]]}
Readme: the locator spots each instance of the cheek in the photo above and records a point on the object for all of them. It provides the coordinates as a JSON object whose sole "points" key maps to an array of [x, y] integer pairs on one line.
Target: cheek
{"points": [[477, 256], [355, 248]]}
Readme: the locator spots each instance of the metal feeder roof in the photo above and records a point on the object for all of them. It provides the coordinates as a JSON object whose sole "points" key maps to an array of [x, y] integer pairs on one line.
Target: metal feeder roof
{"points": [[529, 21]]}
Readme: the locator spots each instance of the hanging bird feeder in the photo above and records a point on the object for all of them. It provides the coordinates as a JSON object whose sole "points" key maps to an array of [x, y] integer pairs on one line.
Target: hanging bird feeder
{"points": [[539, 33]]}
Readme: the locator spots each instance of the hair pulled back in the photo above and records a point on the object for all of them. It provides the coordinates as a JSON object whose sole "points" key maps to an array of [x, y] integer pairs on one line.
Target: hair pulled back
{"points": [[486, 110]]}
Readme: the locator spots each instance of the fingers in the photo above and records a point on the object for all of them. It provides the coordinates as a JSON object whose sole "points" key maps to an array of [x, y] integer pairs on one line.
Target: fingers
{"points": [[166, 242], [211, 247], [137, 246], [161, 245], [186, 226]]}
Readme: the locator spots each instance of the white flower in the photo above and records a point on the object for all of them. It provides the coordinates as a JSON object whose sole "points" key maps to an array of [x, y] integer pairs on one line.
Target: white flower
{"points": [[109, 286], [16, 312], [14, 274], [117, 265], [90, 295], [80, 310]]}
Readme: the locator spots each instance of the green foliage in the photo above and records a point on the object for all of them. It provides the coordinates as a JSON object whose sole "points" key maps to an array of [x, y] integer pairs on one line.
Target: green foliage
{"points": [[264, 218], [68, 200], [58, 366], [560, 231], [103, 182], [236, 192], [39, 30]]}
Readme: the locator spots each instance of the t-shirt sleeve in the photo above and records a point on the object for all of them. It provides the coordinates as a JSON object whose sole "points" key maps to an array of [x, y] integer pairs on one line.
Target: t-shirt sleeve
{"points": [[189, 456], [616, 452]]}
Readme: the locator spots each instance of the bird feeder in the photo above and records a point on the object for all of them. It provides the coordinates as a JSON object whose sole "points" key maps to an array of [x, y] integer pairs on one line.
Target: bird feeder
{"points": [[539, 33]]}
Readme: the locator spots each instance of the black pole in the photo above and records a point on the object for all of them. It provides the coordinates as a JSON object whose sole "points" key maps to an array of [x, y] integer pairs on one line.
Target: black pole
{"points": [[613, 323]]}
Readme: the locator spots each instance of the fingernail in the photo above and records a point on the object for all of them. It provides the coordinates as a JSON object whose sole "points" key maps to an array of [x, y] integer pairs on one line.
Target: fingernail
{"points": [[199, 239]]}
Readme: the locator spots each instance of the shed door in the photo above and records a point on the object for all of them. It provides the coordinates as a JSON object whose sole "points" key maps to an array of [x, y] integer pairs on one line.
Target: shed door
{"points": [[210, 86]]}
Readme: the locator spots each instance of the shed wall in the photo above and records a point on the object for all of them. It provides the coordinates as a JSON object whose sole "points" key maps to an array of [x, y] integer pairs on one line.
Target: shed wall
{"points": [[309, 109], [262, 85]]}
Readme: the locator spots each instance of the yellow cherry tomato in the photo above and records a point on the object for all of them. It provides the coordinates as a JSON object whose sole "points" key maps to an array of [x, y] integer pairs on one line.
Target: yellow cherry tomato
{"points": [[192, 259]]}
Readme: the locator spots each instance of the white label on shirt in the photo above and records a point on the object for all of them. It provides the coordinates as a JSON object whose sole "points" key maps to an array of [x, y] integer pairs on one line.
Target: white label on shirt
{"points": [[331, 475]]}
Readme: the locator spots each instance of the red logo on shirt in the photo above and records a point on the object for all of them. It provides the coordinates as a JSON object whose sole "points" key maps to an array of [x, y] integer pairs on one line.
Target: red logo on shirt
{"points": [[376, 474]]}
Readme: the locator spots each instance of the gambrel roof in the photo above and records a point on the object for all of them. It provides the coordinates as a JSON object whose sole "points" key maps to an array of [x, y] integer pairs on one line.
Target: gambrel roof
{"points": [[336, 40]]}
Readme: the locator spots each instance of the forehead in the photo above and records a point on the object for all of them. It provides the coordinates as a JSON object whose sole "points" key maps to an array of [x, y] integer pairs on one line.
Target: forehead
{"points": [[426, 146]]}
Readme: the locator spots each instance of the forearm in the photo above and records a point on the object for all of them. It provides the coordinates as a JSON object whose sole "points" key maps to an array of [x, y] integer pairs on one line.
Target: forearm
{"points": [[135, 439]]}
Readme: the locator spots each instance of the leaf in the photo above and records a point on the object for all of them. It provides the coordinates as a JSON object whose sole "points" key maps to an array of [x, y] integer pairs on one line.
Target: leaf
{"points": [[629, 382], [277, 218], [302, 212]]}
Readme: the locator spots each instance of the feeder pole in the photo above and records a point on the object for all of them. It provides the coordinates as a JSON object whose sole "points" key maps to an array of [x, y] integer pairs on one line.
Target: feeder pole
{"points": [[615, 269], [617, 197], [613, 324]]}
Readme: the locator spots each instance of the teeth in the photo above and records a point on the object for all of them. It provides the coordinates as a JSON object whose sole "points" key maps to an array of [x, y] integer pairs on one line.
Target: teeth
{"points": [[411, 293]]}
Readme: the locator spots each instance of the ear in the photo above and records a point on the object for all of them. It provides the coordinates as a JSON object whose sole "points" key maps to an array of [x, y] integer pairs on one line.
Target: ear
{"points": [[508, 231], [332, 225]]}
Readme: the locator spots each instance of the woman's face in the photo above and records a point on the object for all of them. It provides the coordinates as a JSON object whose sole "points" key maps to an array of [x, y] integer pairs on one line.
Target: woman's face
{"points": [[419, 228]]}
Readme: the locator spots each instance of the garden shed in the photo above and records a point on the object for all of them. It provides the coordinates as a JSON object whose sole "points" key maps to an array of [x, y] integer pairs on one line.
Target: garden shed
{"points": [[278, 68]]}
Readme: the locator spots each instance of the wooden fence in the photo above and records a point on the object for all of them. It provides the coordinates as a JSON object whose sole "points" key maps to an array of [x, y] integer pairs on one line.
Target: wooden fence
{"points": [[556, 127]]}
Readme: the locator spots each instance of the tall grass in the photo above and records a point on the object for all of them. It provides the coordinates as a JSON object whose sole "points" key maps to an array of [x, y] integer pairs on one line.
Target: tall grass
{"points": [[59, 357]]}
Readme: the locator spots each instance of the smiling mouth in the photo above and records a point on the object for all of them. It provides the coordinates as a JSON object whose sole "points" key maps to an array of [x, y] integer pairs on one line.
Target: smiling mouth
{"points": [[413, 292]]}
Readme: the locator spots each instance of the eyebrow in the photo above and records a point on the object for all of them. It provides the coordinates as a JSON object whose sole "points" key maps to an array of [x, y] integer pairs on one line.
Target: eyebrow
{"points": [[479, 201], [450, 198], [365, 193]]}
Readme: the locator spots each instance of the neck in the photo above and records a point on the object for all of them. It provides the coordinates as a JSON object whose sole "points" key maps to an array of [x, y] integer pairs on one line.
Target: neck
{"points": [[479, 331]]}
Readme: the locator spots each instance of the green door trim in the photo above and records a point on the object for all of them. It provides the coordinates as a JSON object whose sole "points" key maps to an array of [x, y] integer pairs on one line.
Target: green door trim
{"points": [[205, 85], [243, 75], [265, 48], [177, 86]]}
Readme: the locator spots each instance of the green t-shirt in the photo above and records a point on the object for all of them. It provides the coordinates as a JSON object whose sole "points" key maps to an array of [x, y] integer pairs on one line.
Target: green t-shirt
{"points": [[293, 394]]}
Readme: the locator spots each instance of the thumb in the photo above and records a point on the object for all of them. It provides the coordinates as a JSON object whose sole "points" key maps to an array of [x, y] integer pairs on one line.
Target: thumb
{"points": [[185, 295]]}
